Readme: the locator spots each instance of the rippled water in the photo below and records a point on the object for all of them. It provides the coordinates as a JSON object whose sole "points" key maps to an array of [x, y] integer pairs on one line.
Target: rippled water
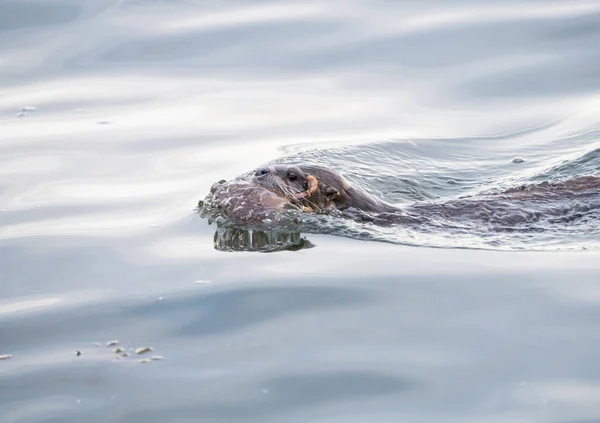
{"points": [[117, 116]]}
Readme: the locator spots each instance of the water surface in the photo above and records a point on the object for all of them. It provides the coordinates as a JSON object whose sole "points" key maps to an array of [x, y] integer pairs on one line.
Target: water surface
{"points": [[116, 116]]}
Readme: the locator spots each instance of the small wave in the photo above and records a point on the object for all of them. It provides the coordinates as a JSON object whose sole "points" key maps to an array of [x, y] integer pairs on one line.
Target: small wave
{"points": [[586, 164]]}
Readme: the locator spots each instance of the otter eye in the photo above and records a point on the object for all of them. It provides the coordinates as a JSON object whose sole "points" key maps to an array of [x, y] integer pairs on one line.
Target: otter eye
{"points": [[292, 176]]}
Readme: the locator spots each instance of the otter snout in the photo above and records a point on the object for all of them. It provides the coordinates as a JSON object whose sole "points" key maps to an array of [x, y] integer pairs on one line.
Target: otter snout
{"points": [[261, 171], [265, 177]]}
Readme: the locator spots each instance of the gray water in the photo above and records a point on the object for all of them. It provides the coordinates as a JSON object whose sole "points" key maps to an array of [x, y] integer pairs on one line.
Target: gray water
{"points": [[117, 116]]}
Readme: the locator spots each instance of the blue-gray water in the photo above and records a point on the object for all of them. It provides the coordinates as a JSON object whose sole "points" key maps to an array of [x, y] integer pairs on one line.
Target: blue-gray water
{"points": [[117, 116]]}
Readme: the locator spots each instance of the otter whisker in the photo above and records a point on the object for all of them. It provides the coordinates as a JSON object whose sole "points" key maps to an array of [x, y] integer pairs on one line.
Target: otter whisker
{"points": [[297, 196], [287, 190]]}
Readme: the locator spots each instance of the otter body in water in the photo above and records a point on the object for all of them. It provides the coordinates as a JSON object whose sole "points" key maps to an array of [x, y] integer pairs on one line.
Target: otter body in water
{"points": [[314, 188]]}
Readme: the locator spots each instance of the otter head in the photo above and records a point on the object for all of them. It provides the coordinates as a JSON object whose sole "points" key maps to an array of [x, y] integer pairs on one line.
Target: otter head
{"points": [[295, 184]]}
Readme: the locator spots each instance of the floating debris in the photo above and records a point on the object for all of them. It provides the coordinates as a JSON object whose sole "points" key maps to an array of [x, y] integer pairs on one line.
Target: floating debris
{"points": [[78, 353], [112, 343], [145, 360], [156, 357], [119, 350], [5, 356], [143, 350], [518, 160]]}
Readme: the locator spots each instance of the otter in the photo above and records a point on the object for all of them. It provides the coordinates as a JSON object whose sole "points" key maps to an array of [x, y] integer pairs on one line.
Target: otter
{"points": [[278, 188]]}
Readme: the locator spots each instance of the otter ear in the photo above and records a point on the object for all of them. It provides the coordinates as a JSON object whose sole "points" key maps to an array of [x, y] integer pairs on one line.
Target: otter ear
{"points": [[331, 193]]}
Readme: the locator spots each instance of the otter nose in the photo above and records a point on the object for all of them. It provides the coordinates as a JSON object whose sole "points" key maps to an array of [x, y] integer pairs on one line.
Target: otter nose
{"points": [[261, 171]]}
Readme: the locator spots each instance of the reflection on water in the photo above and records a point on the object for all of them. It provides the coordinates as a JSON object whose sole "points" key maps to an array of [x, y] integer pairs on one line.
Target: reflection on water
{"points": [[141, 105], [240, 239]]}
